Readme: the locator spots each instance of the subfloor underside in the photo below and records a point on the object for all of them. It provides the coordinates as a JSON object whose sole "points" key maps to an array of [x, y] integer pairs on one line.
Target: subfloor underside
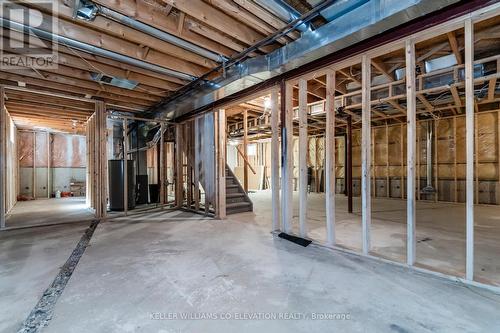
{"points": [[180, 272]]}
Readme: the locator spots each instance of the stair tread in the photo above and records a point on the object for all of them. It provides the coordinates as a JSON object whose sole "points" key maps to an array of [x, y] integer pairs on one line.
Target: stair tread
{"points": [[235, 195], [238, 204], [231, 185]]}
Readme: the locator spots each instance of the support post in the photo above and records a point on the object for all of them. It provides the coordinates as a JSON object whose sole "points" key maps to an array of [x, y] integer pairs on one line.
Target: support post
{"points": [[373, 169], [3, 138], [469, 138], [330, 158], [179, 183], [245, 150], [303, 147], [105, 177], [95, 172], [48, 165], [103, 158], [90, 165], [411, 129], [221, 163], [402, 149], [287, 156], [418, 161], [125, 166], [187, 152], [455, 171], [162, 164], [348, 170], [34, 165], [100, 190], [436, 166], [196, 154], [275, 155], [498, 150], [366, 153], [95, 162], [476, 156], [387, 179]]}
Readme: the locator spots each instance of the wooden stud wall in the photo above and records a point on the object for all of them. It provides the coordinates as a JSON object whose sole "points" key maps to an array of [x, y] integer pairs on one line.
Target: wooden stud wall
{"points": [[275, 160], [330, 159], [179, 172], [3, 171], [390, 142], [11, 164], [379, 152], [303, 149], [220, 133], [97, 161]]}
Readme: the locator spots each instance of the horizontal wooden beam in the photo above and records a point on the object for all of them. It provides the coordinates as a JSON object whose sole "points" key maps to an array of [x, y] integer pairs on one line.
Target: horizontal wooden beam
{"points": [[120, 45], [47, 112], [217, 19], [64, 86], [160, 17]]}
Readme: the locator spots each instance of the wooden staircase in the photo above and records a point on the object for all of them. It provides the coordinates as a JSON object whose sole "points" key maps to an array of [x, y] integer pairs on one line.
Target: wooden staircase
{"points": [[237, 200]]}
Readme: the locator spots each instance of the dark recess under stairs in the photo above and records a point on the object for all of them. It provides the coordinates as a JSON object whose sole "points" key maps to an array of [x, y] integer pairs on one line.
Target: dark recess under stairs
{"points": [[237, 200]]}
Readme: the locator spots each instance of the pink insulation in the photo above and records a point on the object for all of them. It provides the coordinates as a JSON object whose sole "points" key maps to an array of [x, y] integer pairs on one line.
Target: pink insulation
{"points": [[67, 151]]}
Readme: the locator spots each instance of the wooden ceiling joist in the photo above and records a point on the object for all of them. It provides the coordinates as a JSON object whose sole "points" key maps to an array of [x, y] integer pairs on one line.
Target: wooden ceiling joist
{"points": [[268, 17], [242, 15], [47, 116], [455, 47], [93, 88], [52, 87], [79, 59], [122, 46], [220, 26], [218, 20], [158, 17], [29, 102]]}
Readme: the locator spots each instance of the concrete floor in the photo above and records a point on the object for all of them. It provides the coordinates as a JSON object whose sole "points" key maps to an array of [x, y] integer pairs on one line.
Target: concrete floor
{"points": [[29, 260], [48, 211], [139, 270], [440, 231]]}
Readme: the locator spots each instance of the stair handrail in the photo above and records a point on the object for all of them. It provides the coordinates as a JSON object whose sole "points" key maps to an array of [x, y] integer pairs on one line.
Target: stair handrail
{"points": [[245, 160]]}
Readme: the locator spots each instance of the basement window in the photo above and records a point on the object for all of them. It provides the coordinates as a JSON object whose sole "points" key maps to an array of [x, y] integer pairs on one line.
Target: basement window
{"points": [[252, 150]]}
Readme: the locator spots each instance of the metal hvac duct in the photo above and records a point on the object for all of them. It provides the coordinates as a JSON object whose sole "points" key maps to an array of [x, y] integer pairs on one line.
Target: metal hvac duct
{"points": [[87, 10], [340, 8], [358, 23], [284, 11], [9, 24]]}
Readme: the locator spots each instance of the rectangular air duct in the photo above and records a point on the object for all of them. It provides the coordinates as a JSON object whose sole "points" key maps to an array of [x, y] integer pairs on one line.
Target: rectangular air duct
{"points": [[114, 81]]}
